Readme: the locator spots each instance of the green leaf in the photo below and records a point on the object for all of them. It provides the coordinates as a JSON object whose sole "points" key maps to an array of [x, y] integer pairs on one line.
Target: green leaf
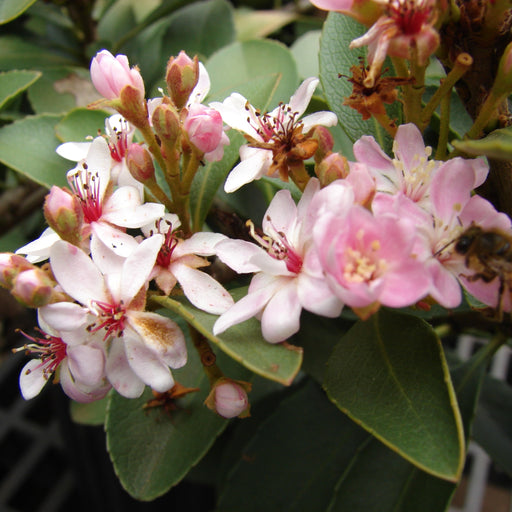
{"points": [[209, 178], [10, 9], [251, 68], [305, 50], [243, 342], [93, 413], [336, 59], [492, 429], [498, 144], [252, 24], [15, 82], [81, 123], [15, 53], [153, 449], [335, 465], [61, 89], [200, 28], [389, 375], [28, 146]]}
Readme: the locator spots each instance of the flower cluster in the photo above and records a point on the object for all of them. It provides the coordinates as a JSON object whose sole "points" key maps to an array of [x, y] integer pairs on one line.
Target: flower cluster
{"points": [[365, 233]]}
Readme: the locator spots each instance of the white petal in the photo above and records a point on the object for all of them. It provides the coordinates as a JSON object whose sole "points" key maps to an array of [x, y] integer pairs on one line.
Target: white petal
{"points": [[237, 254], [138, 266], [65, 316], [281, 317], [300, 100], [32, 379], [119, 372], [86, 364], [39, 249], [202, 290], [199, 243], [248, 170], [74, 151], [324, 118], [105, 259], [146, 363], [77, 274], [116, 240], [80, 392], [99, 162], [135, 217]]}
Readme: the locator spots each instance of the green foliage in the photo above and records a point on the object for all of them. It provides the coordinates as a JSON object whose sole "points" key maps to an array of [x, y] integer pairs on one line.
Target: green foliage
{"points": [[498, 144], [11, 9], [389, 375], [15, 82]]}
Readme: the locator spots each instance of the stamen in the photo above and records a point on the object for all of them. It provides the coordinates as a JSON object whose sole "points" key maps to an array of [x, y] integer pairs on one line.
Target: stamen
{"points": [[86, 187]]}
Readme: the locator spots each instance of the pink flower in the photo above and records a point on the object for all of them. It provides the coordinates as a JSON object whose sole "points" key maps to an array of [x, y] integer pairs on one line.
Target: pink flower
{"points": [[230, 399], [365, 11], [288, 273], [368, 260], [110, 74], [411, 171], [405, 30], [272, 136], [141, 346]]}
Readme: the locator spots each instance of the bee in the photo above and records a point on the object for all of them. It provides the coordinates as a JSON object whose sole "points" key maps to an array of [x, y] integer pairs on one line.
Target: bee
{"points": [[488, 253]]}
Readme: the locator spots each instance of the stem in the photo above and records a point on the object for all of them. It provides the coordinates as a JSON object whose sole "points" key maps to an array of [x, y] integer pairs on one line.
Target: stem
{"points": [[462, 64], [159, 194], [206, 355], [487, 112], [154, 148], [386, 122], [415, 94], [444, 128]]}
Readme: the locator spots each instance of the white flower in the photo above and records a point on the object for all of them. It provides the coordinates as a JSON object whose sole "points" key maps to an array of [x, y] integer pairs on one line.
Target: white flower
{"points": [[273, 137]]}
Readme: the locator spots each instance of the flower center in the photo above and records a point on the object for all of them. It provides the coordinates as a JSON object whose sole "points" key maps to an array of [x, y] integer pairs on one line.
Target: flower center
{"points": [[410, 15], [277, 245], [118, 141], [86, 187], [50, 349], [363, 264], [416, 178], [111, 317]]}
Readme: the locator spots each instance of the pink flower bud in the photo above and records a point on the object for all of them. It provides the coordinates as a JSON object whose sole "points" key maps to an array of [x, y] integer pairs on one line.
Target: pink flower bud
{"points": [[110, 74], [64, 214], [33, 288], [140, 163], [204, 127], [325, 142], [181, 77], [10, 266], [230, 399]]}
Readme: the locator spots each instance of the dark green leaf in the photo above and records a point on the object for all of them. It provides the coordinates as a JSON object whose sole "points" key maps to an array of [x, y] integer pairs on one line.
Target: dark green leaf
{"points": [[335, 60], [492, 429], [10, 9], [252, 68], [243, 342], [28, 146], [62, 89], [389, 375], [152, 450], [80, 124], [15, 82], [89, 414]]}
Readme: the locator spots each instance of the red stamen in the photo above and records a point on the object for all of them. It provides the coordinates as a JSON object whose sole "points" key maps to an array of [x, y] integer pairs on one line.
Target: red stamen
{"points": [[88, 193]]}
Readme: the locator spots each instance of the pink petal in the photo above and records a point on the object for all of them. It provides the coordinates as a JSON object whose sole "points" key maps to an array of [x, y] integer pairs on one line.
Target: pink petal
{"points": [[116, 240], [65, 316], [199, 243], [237, 254], [409, 145], [86, 364], [367, 151]]}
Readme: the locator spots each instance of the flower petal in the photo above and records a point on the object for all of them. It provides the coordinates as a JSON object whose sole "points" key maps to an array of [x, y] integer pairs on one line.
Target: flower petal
{"points": [[119, 372], [32, 379]]}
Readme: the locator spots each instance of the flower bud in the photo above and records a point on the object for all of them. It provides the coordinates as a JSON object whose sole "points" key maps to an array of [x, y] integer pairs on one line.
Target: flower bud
{"points": [[181, 77], [228, 398], [204, 127], [503, 81], [33, 288], [111, 74], [64, 214], [166, 123], [325, 142], [332, 168], [10, 266], [140, 163]]}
